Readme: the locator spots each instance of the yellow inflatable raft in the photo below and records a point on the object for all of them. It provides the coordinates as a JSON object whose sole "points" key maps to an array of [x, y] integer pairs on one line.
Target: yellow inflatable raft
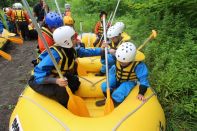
{"points": [[89, 38], [35, 112]]}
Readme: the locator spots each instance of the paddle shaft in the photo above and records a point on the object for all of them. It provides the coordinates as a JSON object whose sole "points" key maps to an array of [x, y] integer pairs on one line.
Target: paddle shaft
{"points": [[152, 35], [16, 40], [106, 54], [109, 105], [58, 8], [106, 25], [114, 12]]}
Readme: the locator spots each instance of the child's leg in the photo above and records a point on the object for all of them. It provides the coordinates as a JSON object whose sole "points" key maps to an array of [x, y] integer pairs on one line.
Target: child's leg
{"points": [[122, 91], [111, 62], [112, 80], [52, 91]]}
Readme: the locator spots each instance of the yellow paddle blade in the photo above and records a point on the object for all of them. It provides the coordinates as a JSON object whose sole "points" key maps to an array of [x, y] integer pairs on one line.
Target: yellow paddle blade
{"points": [[109, 105], [125, 36], [154, 33], [76, 105], [5, 33], [5, 55], [16, 40], [152, 36]]}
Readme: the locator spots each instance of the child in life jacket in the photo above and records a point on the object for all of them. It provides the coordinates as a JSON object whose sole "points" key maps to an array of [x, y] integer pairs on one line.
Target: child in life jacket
{"points": [[114, 34], [67, 10], [45, 79], [98, 29], [52, 21], [125, 74]]}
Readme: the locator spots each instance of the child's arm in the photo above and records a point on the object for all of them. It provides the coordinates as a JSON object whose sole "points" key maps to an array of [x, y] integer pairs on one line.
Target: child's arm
{"points": [[82, 52], [142, 75], [43, 70]]}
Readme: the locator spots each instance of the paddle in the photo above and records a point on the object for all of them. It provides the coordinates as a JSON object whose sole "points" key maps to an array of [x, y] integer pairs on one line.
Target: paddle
{"points": [[152, 36], [75, 104], [16, 40], [10, 36], [58, 9], [109, 105], [5, 55], [6, 33]]}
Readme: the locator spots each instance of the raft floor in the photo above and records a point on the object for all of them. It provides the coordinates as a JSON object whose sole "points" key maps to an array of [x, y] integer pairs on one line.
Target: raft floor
{"points": [[94, 110]]}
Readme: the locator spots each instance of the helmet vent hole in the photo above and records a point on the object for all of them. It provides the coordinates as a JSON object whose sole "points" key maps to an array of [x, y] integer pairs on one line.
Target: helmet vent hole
{"points": [[65, 41]]}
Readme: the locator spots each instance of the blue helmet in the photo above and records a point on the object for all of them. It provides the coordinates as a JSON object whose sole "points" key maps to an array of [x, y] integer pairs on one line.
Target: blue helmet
{"points": [[53, 20]]}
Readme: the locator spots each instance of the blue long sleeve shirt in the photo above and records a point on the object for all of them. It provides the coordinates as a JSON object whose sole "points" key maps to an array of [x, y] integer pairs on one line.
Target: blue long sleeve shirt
{"points": [[141, 72], [43, 69]]}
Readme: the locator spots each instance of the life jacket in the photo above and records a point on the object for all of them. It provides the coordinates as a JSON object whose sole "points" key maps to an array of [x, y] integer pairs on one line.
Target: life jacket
{"points": [[20, 16], [114, 46], [8, 14], [49, 38], [67, 61], [126, 73], [67, 13], [98, 28]]}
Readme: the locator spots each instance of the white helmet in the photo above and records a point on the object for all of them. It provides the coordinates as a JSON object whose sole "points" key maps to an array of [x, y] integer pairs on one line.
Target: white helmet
{"points": [[120, 25], [14, 6], [62, 36], [67, 6], [19, 6], [113, 31], [126, 52]]}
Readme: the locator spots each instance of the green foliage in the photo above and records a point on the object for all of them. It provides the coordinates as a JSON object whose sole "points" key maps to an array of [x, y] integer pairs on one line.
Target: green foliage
{"points": [[2, 18]]}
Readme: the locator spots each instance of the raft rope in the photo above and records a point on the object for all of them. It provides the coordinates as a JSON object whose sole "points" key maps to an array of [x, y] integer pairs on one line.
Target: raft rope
{"points": [[92, 83], [99, 81], [132, 112], [86, 80], [46, 111]]}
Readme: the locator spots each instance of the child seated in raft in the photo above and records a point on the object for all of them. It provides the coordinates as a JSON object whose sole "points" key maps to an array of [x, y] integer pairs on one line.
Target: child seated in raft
{"points": [[114, 34], [124, 75], [46, 80]]}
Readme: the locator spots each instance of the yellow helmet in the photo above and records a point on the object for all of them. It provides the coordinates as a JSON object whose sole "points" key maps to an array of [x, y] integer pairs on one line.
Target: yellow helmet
{"points": [[68, 20]]}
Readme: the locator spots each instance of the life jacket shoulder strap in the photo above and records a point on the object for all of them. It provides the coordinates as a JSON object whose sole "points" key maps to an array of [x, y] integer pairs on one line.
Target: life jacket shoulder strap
{"points": [[47, 32]]}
